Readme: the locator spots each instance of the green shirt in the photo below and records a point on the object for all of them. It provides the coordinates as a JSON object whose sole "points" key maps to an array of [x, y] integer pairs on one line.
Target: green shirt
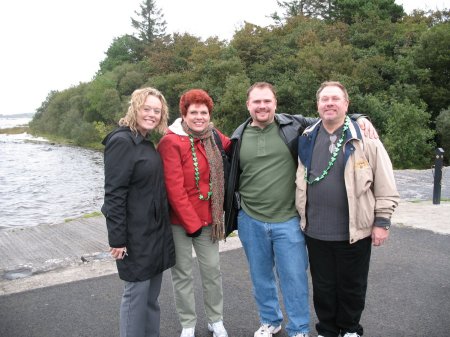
{"points": [[267, 181]]}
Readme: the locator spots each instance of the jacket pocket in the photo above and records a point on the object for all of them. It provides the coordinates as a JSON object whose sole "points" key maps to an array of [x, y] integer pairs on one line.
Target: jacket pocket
{"points": [[363, 177], [365, 200]]}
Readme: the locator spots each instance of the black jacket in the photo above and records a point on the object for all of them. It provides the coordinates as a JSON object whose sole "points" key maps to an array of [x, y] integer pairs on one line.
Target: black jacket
{"points": [[136, 207]]}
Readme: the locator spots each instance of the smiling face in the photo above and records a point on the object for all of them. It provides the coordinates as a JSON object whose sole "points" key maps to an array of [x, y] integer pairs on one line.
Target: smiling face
{"points": [[197, 117], [261, 104], [149, 115], [332, 106]]}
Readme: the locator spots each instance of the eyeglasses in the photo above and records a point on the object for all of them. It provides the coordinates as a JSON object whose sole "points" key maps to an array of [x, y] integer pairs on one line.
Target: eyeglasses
{"points": [[332, 146], [148, 109]]}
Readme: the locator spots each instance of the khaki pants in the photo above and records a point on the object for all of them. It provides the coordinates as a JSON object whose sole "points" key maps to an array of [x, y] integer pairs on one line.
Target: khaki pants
{"points": [[183, 280]]}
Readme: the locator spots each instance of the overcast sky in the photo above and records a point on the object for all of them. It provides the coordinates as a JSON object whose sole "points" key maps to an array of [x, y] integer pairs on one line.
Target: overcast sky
{"points": [[55, 44]]}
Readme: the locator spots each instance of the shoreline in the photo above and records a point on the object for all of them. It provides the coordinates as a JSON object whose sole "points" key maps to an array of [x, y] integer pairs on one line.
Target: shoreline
{"points": [[47, 255]]}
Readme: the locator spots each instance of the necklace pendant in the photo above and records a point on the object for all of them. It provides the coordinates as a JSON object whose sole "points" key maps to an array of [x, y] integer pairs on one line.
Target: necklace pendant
{"points": [[332, 147]]}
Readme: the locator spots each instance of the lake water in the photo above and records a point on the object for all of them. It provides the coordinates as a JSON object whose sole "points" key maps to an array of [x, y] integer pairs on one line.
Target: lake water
{"points": [[44, 183]]}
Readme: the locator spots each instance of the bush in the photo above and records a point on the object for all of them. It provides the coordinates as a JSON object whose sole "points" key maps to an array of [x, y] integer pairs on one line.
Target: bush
{"points": [[409, 137], [85, 133], [443, 132]]}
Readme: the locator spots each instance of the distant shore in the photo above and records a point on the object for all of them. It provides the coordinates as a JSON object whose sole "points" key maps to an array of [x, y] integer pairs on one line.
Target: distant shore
{"points": [[15, 130]]}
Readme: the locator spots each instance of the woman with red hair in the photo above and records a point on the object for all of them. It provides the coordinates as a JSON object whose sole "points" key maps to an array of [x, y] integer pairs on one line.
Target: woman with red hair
{"points": [[194, 177]]}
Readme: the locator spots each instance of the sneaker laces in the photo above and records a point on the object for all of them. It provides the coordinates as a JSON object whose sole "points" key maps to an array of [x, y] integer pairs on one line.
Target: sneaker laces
{"points": [[267, 330]]}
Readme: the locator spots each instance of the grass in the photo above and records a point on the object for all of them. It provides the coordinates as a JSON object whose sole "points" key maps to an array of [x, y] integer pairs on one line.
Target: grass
{"points": [[15, 130], [67, 142], [416, 201], [85, 216]]}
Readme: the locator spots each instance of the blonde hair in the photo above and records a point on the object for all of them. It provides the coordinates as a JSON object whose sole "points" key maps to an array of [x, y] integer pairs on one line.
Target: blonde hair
{"points": [[137, 101], [332, 84]]}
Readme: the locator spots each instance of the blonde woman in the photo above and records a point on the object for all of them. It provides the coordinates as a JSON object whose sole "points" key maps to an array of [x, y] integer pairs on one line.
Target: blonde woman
{"points": [[136, 212]]}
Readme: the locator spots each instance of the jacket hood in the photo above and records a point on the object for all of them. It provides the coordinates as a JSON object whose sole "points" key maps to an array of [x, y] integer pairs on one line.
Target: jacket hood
{"points": [[137, 138], [176, 128]]}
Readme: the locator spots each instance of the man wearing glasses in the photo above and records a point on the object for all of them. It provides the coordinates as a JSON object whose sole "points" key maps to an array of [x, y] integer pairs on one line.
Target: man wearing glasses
{"points": [[345, 195]]}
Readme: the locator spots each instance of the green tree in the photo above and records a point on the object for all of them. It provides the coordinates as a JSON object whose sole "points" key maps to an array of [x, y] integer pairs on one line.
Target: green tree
{"points": [[310, 8], [171, 85], [249, 42], [296, 92], [150, 23], [349, 11], [104, 99], [231, 110], [443, 131], [212, 63], [84, 133], [124, 49], [432, 53], [37, 124], [409, 138], [172, 56]]}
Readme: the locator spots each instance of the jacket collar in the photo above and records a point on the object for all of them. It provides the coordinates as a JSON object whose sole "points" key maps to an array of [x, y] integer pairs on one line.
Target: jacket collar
{"points": [[308, 138], [353, 132], [279, 119], [282, 119]]}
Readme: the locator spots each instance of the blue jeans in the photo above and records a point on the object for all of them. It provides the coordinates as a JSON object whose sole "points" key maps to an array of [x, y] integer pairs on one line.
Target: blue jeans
{"points": [[280, 245]]}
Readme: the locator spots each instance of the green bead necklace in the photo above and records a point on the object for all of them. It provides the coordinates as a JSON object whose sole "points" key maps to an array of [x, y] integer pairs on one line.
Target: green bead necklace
{"points": [[197, 173], [333, 156]]}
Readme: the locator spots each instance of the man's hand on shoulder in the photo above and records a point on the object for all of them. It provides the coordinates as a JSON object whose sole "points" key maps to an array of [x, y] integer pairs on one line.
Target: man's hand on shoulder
{"points": [[367, 127]]}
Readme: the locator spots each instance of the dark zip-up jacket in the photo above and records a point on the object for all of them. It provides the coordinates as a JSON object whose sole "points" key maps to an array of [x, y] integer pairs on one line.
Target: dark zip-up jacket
{"points": [[136, 207]]}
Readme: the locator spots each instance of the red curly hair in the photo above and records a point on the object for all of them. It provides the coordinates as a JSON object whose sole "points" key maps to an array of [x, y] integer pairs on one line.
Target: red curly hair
{"points": [[195, 96]]}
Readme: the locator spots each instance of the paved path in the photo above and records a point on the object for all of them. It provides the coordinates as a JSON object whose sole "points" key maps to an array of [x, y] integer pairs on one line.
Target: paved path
{"points": [[58, 280], [408, 295]]}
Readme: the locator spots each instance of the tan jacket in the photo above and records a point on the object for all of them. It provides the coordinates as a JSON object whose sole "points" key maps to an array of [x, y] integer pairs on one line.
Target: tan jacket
{"points": [[369, 180]]}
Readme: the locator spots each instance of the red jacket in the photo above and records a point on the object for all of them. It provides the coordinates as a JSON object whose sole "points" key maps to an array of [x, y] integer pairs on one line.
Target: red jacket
{"points": [[186, 209]]}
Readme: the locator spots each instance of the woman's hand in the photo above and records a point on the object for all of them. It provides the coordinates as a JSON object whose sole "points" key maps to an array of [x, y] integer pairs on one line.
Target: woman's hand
{"points": [[118, 253]]}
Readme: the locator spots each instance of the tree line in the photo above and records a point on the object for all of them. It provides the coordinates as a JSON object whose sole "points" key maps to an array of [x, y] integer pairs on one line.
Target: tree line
{"points": [[395, 66]]}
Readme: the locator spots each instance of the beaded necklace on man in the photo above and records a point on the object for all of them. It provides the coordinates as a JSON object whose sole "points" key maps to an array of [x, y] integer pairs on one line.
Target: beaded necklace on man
{"points": [[333, 156], [197, 173]]}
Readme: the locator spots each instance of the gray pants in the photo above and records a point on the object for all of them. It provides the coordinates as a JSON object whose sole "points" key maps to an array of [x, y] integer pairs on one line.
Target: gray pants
{"points": [[183, 277], [139, 310]]}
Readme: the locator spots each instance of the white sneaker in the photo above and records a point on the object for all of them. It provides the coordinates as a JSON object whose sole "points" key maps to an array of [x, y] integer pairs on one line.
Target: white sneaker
{"points": [[267, 330], [351, 334], [217, 329], [301, 334], [188, 332]]}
